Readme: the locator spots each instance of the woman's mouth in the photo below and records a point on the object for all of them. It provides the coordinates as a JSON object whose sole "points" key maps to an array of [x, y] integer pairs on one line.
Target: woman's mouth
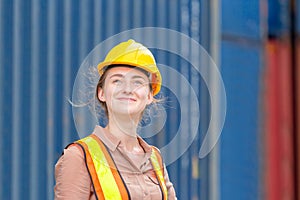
{"points": [[127, 99]]}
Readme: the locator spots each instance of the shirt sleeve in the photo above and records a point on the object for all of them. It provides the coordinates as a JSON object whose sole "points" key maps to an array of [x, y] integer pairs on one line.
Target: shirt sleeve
{"points": [[169, 185], [71, 175]]}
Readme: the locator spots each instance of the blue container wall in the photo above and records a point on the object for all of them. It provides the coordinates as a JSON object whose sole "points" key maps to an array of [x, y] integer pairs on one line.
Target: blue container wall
{"points": [[42, 44], [241, 18], [242, 63], [279, 18]]}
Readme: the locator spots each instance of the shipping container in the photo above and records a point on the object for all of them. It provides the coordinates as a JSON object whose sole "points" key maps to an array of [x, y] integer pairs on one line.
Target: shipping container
{"points": [[44, 43], [241, 68], [278, 123], [220, 60]]}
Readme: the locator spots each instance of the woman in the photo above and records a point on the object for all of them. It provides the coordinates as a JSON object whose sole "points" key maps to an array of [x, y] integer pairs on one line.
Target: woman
{"points": [[114, 162]]}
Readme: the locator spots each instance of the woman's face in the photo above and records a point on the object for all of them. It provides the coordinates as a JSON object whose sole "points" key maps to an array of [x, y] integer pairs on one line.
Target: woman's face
{"points": [[126, 91]]}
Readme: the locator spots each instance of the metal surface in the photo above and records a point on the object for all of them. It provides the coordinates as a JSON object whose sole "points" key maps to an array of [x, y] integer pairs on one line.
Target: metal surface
{"points": [[42, 44], [240, 158], [241, 66], [241, 19]]}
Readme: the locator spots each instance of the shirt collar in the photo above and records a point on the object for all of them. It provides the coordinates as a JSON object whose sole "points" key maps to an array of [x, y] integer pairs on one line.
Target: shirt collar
{"points": [[108, 139], [147, 148]]}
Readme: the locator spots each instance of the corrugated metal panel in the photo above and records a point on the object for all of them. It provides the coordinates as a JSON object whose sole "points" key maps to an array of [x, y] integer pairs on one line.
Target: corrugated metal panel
{"points": [[240, 158], [246, 18], [279, 164], [297, 92], [215, 50], [242, 63], [6, 106], [278, 18], [42, 44], [282, 96], [184, 69]]}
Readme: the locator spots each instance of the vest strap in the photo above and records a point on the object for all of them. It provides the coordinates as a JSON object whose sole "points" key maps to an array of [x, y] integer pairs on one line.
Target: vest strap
{"points": [[157, 164], [108, 183]]}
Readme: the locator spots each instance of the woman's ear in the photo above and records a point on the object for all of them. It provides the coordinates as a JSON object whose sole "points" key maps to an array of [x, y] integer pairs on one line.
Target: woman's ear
{"points": [[149, 98], [101, 96]]}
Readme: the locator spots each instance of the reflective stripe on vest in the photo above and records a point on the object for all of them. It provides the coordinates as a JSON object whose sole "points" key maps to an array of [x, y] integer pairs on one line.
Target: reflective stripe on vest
{"points": [[157, 164], [107, 181]]}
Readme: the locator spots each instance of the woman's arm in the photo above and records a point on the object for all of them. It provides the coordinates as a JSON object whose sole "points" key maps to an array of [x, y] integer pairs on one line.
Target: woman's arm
{"points": [[170, 188], [71, 175]]}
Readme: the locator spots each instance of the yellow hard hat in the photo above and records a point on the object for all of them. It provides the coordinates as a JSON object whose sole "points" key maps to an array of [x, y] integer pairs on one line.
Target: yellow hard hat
{"points": [[134, 54]]}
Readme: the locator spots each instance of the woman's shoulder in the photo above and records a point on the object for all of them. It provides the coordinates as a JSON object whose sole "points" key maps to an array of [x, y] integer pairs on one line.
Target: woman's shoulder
{"points": [[73, 150], [71, 154], [71, 175]]}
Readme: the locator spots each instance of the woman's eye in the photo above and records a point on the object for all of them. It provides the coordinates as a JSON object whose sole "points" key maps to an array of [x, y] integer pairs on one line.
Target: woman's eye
{"points": [[117, 81], [138, 83]]}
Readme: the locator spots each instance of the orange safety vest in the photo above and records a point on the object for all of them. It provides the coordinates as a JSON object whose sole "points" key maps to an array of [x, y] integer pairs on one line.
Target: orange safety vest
{"points": [[106, 178]]}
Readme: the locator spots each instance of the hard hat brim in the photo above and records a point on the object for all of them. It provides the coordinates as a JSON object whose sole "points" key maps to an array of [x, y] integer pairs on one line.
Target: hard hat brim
{"points": [[156, 78]]}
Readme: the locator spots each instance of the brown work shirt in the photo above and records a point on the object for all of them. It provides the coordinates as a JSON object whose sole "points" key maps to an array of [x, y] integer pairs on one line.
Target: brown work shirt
{"points": [[73, 180]]}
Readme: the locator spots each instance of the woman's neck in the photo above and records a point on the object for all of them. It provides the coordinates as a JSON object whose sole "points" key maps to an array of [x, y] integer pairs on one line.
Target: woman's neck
{"points": [[125, 128]]}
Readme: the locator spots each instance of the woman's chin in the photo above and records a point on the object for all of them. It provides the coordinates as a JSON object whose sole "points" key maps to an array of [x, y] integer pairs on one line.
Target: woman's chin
{"points": [[130, 112]]}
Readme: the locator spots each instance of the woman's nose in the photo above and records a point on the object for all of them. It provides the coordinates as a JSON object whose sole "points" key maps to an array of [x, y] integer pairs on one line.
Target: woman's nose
{"points": [[128, 87]]}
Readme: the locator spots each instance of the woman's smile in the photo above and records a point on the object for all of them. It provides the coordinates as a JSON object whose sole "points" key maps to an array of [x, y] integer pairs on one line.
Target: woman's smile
{"points": [[126, 99]]}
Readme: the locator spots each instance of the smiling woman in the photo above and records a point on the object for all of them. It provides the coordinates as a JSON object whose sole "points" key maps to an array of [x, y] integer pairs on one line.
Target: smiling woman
{"points": [[116, 76], [126, 92], [114, 162]]}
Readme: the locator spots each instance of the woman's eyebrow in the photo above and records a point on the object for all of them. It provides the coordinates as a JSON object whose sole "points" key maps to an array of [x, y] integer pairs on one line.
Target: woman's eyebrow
{"points": [[137, 76], [117, 75], [122, 76]]}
